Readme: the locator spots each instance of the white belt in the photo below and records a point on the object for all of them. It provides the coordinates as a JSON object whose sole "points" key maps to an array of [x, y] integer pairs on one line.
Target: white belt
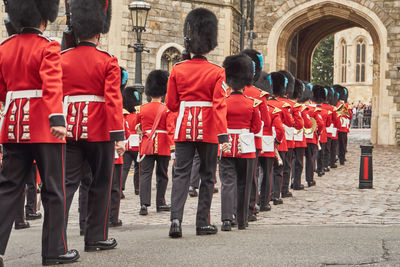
{"points": [[157, 131], [182, 107], [13, 95], [238, 131], [68, 99]]}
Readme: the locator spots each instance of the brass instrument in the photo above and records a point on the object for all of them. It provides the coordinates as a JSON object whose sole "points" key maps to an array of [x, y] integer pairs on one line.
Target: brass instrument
{"points": [[313, 127], [342, 110]]}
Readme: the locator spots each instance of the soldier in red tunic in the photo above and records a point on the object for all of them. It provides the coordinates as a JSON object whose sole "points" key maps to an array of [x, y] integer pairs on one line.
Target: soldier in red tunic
{"points": [[93, 105], [33, 127], [131, 99], [320, 94], [156, 125], [345, 118], [279, 83], [244, 121], [195, 90]]}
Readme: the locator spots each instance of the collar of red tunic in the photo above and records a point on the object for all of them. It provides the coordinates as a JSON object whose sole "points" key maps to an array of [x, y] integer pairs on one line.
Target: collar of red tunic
{"points": [[199, 57], [236, 93], [31, 31], [86, 44]]}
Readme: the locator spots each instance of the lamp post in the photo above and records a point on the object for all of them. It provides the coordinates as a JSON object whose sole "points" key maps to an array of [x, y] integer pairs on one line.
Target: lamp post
{"points": [[139, 11]]}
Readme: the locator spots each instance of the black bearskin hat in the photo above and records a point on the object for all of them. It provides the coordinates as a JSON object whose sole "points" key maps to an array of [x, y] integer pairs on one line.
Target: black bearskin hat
{"points": [[329, 94], [299, 88], [319, 94], [279, 83], [264, 82], [238, 71], [156, 83], [30, 13], [90, 17], [343, 92], [124, 78], [200, 31], [334, 99], [258, 60], [290, 83], [130, 98], [307, 93]]}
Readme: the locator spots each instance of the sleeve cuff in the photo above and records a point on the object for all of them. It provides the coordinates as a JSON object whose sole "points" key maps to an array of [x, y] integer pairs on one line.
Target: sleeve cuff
{"points": [[223, 138], [117, 135], [57, 120]]}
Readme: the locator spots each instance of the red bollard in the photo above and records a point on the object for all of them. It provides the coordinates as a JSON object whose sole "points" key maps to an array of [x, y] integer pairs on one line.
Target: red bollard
{"points": [[366, 171]]}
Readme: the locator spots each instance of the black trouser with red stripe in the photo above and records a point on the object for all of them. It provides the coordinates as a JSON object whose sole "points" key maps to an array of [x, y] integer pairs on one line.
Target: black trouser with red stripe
{"points": [[342, 146], [266, 182], [116, 193], [83, 195], [327, 153], [17, 163], [311, 150], [194, 174], [146, 173], [236, 175], [129, 157], [254, 187], [278, 176], [100, 156], [298, 165], [332, 157], [287, 167], [321, 157], [30, 194], [184, 152]]}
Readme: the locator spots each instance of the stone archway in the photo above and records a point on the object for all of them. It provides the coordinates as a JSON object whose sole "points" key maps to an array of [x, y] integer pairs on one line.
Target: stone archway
{"points": [[314, 20]]}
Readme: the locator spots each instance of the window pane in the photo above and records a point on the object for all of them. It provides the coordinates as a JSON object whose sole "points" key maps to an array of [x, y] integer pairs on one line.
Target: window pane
{"points": [[358, 54], [345, 74], [363, 53], [358, 73], [363, 73]]}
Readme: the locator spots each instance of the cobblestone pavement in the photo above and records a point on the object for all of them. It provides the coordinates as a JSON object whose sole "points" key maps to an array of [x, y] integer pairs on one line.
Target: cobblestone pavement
{"points": [[335, 200]]}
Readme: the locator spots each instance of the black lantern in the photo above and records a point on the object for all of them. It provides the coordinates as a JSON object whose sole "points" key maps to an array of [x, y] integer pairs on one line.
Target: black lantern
{"points": [[139, 13]]}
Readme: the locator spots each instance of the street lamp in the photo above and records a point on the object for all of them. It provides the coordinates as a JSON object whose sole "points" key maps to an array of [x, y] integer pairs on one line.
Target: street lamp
{"points": [[139, 12]]}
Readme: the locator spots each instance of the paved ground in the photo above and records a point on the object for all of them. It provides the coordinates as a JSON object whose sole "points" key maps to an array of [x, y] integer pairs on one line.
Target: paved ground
{"points": [[334, 223]]}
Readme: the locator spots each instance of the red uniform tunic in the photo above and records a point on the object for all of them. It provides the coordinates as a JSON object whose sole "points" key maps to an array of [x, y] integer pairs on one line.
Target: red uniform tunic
{"points": [[332, 128], [195, 90], [275, 129], [345, 120], [324, 116], [35, 60], [286, 118], [120, 160], [98, 75], [162, 142], [258, 94], [314, 138], [307, 125], [242, 114], [298, 121], [131, 122]]}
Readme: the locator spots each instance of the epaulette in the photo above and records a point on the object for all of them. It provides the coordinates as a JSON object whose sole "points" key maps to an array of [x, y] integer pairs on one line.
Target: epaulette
{"points": [[286, 105], [66, 50], [276, 110], [104, 51], [303, 108], [225, 86], [263, 93], [297, 105], [329, 112], [8, 39], [137, 108], [45, 37], [256, 102], [125, 112], [317, 109], [180, 62]]}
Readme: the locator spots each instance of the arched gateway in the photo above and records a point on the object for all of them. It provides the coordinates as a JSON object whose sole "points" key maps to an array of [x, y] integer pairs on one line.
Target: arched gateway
{"points": [[297, 30]]}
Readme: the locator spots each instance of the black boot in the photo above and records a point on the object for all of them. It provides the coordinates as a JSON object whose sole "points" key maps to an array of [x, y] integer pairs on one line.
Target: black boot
{"points": [[176, 229], [143, 210], [69, 257], [163, 208], [100, 245], [226, 226], [33, 216], [206, 230], [22, 225]]}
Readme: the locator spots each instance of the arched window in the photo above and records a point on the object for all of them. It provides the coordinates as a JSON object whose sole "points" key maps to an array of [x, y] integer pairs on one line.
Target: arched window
{"points": [[360, 60], [343, 61], [169, 58]]}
